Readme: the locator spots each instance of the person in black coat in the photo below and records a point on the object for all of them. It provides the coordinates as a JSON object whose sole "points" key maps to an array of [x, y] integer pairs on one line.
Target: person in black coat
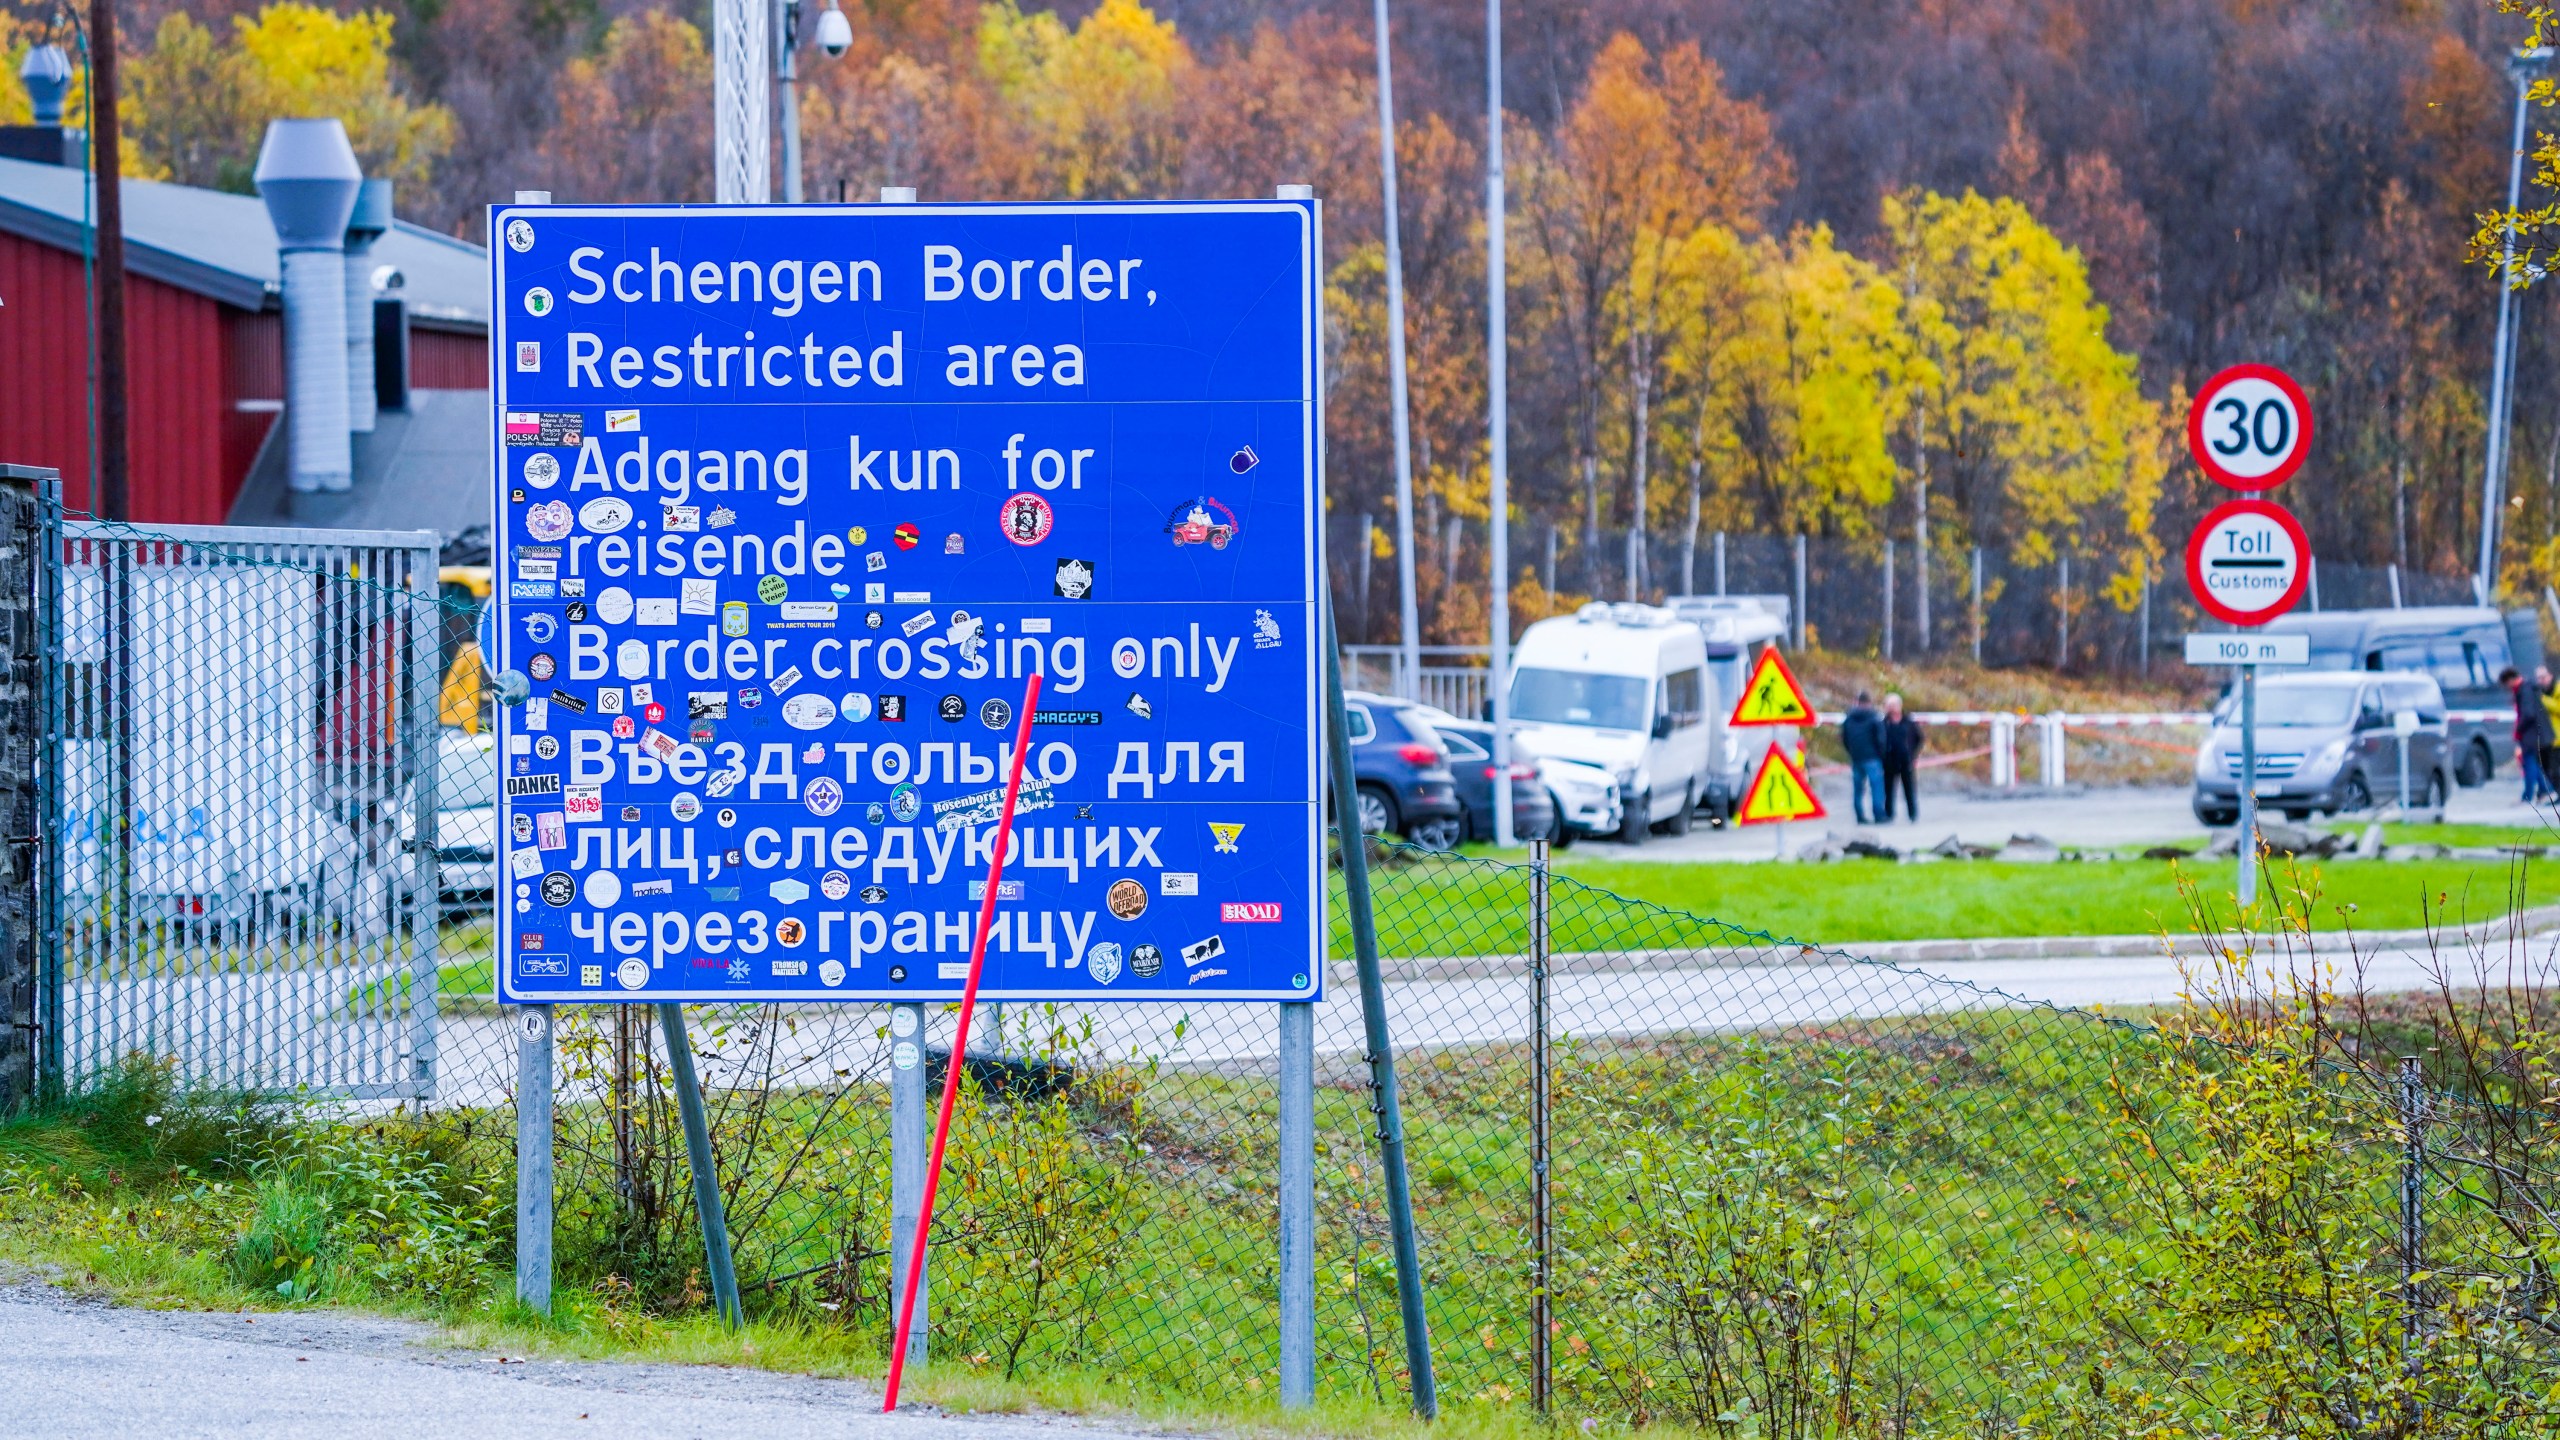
{"points": [[1900, 741], [1862, 735]]}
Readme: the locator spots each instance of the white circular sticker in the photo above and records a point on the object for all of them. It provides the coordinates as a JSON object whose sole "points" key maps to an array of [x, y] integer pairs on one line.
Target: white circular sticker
{"points": [[686, 806], [613, 606], [548, 520], [835, 884], [903, 1055], [604, 889], [537, 302], [808, 712], [519, 235], [631, 660], [605, 514], [855, 707], [902, 1022], [541, 471], [633, 973], [830, 973]]}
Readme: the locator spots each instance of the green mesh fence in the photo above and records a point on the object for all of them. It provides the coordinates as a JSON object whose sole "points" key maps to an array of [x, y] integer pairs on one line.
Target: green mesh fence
{"points": [[1792, 1191]]}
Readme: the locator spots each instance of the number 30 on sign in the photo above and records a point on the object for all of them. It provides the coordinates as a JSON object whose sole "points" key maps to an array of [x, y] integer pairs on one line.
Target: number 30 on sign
{"points": [[2250, 427]]}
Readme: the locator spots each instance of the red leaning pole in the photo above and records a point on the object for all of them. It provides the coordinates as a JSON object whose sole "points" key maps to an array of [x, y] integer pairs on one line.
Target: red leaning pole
{"points": [[959, 1045]]}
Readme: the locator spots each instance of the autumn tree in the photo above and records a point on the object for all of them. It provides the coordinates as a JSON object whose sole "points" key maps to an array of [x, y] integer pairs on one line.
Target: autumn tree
{"points": [[1651, 150], [197, 106], [632, 117], [2034, 427]]}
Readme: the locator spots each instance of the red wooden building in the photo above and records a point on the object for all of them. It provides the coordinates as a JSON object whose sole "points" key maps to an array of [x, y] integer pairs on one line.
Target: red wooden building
{"points": [[204, 330]]}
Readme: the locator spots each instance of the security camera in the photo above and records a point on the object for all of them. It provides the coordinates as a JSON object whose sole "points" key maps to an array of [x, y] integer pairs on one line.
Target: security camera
{"points": [[835, 33]]}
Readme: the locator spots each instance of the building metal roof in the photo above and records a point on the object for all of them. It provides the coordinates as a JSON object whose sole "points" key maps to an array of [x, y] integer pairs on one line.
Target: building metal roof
{"points": [[221, 245]]}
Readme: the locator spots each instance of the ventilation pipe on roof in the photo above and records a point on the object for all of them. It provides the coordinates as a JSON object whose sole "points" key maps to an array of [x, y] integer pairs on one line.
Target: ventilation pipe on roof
{"points": [[308, 176], [372, 218], [47, 73]]}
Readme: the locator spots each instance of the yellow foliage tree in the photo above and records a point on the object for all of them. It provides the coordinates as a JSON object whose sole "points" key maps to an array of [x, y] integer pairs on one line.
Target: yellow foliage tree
{"points": [[197, 107], [1087, 111], [2036, 424]]}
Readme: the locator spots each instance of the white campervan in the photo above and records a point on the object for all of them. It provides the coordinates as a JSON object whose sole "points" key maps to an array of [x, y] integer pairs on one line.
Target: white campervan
{"points": [[1622, 687]]}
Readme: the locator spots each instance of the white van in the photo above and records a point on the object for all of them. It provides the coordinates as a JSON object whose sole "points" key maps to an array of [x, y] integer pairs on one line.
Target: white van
{"points": [[1622, 687], [1738, 628]]}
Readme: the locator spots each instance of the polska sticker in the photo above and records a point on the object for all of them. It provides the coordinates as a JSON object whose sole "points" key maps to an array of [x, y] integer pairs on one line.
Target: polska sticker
{"points": [[1202, 520], [1026, 519], [1073, 581]]}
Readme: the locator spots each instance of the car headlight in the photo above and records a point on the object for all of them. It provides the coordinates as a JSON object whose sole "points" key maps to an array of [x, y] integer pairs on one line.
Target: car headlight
{"points": [[2332, 753]]}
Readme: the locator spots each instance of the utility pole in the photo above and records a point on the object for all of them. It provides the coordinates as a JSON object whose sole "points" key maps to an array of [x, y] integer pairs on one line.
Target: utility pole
{"points": [[1498, 431], [109, 500], [1409, 638], [2524, 67]]}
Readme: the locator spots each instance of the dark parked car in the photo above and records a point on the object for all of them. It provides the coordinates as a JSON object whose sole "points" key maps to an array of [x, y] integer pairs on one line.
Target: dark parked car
{"points": [[1402, 767], [1470, 745]]}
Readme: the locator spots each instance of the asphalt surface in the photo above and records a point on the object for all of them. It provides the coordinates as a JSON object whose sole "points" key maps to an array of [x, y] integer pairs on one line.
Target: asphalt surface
{"points": [[70, 1367]]}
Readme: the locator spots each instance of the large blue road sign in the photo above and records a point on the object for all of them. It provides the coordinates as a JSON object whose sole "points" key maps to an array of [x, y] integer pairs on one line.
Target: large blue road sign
{"points": [[790, 501]]}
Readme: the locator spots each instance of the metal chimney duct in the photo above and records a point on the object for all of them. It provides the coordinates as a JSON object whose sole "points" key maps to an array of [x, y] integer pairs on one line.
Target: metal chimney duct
{"points": [[308, 176], [47, 73], [372, 217]]}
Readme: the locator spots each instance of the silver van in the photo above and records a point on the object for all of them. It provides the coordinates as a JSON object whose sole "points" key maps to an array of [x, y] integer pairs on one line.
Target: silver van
{"points": [[2462, 646], [2329, 741]]}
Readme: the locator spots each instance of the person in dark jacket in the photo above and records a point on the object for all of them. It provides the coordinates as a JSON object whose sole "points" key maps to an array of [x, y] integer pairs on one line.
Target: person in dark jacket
{"points": [[1902, 740], [1862, 735], [2533, 733]]}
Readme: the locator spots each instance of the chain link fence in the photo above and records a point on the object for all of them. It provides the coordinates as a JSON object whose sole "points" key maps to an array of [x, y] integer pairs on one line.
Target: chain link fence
{"points": [[1760, 1187], [2066, 611]]}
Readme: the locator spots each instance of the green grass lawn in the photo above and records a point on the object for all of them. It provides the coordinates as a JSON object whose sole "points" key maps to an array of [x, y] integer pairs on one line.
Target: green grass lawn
{"points": [[1460, 907]]}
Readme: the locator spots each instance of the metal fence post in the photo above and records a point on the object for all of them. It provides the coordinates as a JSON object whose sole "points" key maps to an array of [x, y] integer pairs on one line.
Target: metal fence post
{"points": [[1888, 599], [1298, 1204], [1719, 562], [706, 1174], [533, 1157], [22, 1009], [910, 1130], [1802, 629], [2413, 1235], [1384, 1099], [2062, 618], [1977, 604], [2143, 646], [1541, 1197]]}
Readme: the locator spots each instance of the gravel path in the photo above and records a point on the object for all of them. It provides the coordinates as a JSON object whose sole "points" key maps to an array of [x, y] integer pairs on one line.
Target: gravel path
{"points": [[75, 1367]]}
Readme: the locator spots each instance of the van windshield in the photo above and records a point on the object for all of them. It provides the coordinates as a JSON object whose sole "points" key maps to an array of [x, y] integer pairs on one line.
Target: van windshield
{"points": [[1570, 697], [2301, 704]]}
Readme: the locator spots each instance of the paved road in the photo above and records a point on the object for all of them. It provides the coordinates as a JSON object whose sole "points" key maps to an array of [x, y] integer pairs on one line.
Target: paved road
{"points": [[2144, 815], [75, 1368]]}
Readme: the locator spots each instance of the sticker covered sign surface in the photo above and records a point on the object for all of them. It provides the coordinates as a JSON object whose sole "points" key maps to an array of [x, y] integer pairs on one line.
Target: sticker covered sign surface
{"points": [[1077, 440]]}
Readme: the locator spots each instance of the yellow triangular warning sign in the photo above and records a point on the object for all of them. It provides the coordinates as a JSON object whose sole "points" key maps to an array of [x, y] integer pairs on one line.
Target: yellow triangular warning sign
{"points": [[1773, 697], [1779, 792]]}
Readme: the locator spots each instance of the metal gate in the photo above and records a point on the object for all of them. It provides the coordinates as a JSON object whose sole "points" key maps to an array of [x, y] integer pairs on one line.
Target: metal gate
{"points": [[239, 763]]}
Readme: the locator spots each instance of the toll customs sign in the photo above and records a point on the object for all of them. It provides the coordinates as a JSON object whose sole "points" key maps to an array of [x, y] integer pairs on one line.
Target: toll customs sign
{"points": [[791, 500]]}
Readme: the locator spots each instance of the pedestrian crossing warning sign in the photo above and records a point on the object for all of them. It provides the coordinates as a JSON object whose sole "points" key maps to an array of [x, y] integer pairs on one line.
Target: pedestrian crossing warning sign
{"points": [[1779, 792], [1773, 697]]}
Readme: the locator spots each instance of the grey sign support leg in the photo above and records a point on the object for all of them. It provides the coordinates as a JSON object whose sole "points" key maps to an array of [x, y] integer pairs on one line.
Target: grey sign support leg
{"points": [[533, 1157], [910, 1133], [706, 1173], [1298, 1205]]}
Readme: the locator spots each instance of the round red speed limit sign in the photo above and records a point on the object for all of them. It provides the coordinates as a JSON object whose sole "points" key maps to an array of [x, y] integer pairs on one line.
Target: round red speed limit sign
{"points": [[2248, 561], [2250, 427]]}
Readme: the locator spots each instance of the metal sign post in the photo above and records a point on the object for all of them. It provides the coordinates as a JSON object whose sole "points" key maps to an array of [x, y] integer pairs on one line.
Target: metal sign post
{"points": [[2249, 429]]}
